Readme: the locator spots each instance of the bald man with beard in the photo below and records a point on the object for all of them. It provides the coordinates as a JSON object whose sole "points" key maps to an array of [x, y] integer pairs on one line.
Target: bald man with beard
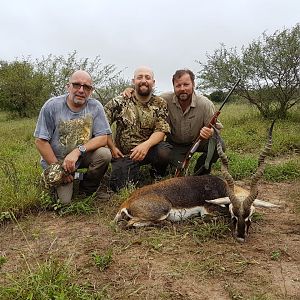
{"points": [[141, 127]]}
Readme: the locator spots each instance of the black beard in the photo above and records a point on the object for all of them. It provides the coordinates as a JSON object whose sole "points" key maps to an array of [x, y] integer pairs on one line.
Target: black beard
{"points": [[144, 93]]}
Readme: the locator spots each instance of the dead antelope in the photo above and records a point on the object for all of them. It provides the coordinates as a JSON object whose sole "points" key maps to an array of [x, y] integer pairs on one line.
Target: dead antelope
{"points": [[179, 198]]}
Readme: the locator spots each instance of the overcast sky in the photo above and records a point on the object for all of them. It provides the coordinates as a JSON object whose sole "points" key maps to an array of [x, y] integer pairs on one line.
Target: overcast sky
{"points": [[163, 34]]}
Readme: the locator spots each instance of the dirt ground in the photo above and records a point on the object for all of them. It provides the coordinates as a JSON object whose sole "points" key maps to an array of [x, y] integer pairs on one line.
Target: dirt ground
{"points": [[167, 262]]}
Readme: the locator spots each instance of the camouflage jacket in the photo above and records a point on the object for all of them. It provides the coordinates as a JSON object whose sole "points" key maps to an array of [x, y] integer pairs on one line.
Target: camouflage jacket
{"points": [[136, 121]]}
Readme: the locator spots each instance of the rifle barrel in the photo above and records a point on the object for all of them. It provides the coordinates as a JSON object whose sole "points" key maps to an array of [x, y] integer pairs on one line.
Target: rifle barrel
{"points": [[230, 92]]}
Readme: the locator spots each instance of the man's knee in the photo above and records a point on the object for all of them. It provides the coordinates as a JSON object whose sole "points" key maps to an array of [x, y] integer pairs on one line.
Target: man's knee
{"points": [[65, 192], [101, 155], [164, 150]]}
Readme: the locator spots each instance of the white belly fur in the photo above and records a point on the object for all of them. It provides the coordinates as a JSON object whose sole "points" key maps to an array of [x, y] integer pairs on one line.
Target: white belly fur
{"points": [[179, 214]]}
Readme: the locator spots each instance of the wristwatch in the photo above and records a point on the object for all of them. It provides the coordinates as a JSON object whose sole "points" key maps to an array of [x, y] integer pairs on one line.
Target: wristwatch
{"points": [[82, 150]]}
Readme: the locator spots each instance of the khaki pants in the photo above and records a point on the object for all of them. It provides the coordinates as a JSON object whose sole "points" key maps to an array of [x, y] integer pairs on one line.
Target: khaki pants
{"points": [[97, 163]]}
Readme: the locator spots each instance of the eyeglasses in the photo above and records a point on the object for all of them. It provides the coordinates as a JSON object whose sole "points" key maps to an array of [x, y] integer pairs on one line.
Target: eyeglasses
{"points": [[77, 86]]}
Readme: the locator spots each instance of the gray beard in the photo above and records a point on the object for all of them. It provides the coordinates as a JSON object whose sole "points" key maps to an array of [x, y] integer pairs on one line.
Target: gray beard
{"points": [[79, 102], [184, 97]]}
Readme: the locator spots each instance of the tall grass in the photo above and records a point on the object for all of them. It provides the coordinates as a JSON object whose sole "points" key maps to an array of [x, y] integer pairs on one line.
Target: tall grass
{"points": [[245, 131], [19, 167], [244, 134]]}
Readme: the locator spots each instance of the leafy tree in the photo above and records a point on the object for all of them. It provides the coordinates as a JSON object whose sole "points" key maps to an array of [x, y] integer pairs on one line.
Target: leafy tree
{"points": [[60, 68], [22, 88], [113, 87], [25, 85], [269, 69]]}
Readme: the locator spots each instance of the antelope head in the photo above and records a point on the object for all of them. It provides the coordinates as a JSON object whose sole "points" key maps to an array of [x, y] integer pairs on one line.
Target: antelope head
{"points": [[241, 208]]}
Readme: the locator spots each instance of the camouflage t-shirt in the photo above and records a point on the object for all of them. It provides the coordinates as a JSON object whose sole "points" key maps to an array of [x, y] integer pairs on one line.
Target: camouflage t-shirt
{"points": [[136, 121]]}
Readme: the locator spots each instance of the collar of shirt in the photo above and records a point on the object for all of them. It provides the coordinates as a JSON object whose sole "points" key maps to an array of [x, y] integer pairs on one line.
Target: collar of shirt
{"points": [[145, 103]]}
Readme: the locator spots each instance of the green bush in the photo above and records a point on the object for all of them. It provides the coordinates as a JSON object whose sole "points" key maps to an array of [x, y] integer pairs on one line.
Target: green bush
{"points": [[23, 89], [217, 96]]}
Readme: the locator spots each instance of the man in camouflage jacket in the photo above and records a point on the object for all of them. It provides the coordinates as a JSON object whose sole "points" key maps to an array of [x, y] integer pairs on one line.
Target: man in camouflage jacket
{"points": [[141, 126]]}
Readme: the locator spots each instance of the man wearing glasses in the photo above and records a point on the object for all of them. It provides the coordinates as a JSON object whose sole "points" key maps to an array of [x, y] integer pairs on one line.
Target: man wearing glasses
{"points": [[72, 129]]}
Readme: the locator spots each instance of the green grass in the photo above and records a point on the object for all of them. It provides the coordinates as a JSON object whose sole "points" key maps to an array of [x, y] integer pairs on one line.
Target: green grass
{"points": [[242, 166], [210, 230], [244, 134], [2, 261], [289, 170], [275, 255], [82, 206], [102, 261], [50, 280], [19, 167]]}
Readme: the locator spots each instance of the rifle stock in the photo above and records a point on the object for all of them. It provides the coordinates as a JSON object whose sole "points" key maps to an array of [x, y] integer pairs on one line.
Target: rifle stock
{"points": [[180, 170]]}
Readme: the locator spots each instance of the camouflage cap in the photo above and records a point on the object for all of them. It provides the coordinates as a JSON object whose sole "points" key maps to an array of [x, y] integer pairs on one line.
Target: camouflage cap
{"points": [[53, 175]]}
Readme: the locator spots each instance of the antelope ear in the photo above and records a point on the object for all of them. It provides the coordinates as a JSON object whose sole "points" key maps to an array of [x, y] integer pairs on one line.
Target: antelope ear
{"points": [[219, 201], [262, 203]]}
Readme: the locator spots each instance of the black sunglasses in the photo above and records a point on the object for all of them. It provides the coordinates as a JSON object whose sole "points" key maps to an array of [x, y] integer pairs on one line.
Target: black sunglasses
{"points": [[77, 86]]}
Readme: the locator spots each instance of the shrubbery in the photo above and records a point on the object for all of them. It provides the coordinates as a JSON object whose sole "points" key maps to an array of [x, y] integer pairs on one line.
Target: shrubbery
{"points": [[26, 84]]}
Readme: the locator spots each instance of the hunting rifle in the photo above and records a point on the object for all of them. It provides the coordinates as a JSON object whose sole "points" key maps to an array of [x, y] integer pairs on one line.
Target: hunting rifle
{"points": [[180, 170]]}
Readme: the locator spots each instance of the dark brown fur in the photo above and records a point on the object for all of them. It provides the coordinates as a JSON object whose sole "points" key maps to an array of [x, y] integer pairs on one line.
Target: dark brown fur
{"points": [[154, 202], [176, 190]]}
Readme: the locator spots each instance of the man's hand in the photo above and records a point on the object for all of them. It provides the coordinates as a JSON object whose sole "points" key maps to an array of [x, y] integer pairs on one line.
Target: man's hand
{"points": [[206, 132], [68, 179], [70, 161], [116, 153], [140, 151], [127, 93]]}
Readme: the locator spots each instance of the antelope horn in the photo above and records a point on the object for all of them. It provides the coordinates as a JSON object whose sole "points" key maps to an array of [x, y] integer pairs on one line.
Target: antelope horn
{"points": [[225, 172], [260, 170]]}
